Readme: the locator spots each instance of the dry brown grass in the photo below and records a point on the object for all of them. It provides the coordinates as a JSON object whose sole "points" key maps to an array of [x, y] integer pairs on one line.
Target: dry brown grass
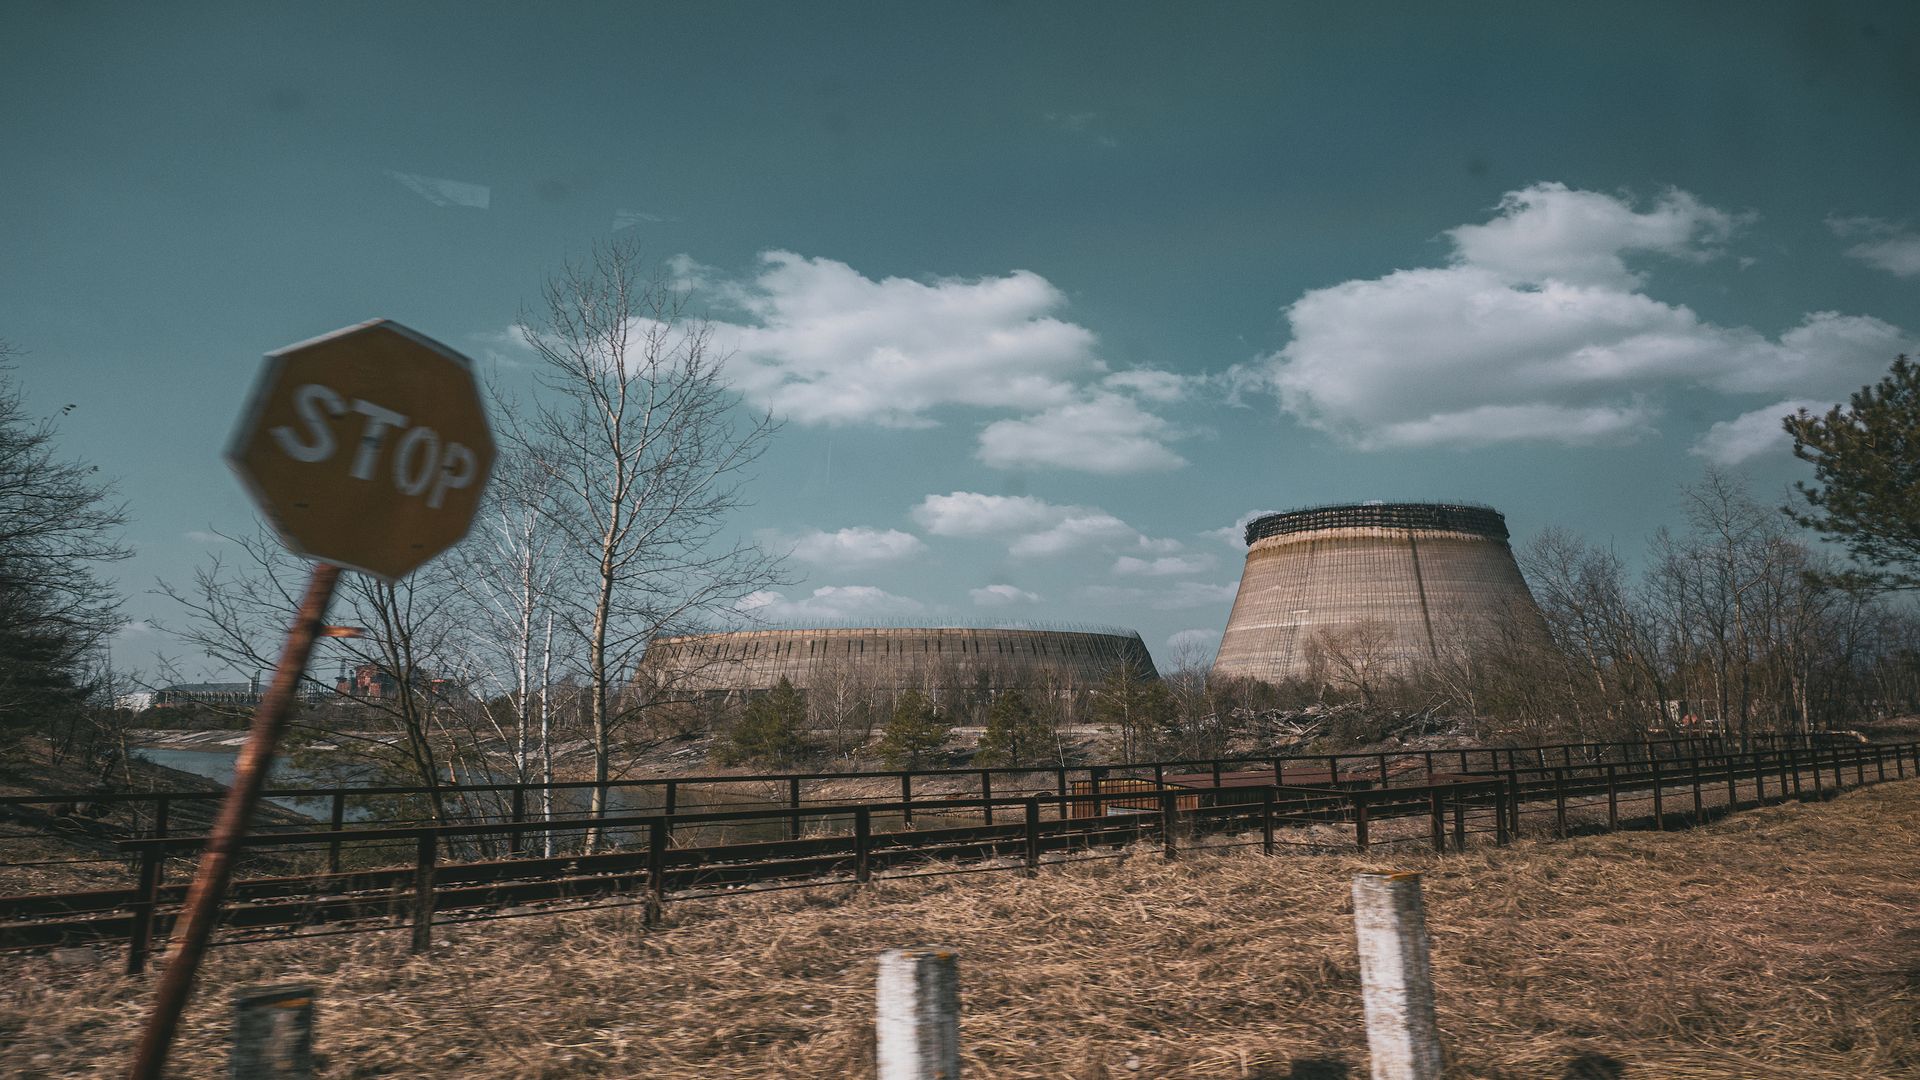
{"points": [[1782, 942]]}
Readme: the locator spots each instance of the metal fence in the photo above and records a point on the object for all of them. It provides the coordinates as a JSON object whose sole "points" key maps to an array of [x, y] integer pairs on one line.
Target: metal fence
{"points": [[413, 876]]}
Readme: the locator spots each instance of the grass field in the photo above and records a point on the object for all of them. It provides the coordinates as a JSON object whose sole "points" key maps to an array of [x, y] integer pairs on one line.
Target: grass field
{"points": [[1780, 942]]}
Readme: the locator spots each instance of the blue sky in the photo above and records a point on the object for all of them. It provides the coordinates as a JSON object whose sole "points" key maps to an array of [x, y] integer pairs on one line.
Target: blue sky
{"points": [[1051, 295]]}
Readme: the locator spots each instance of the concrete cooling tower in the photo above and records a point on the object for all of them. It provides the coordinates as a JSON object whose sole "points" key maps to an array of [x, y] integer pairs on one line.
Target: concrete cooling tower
{"points": [[1387, 585], [892, 658]]}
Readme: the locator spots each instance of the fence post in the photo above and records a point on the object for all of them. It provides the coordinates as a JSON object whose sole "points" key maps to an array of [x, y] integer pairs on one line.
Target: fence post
{"points": [[423, 892], [153, 861], [986, 793], [517, 844], [793, 803], [1459, 820], [917, 1015], [1360, 822], [1438, 813], [1513, 801], [671, 802], [1061, 775], [1560, 803], [1613, 797], [1169, 808], [1793, 759], [1859, 764], [161, 806], [1033, 835], [655, 908], [272, 1034], [1396, 978], [1093, 784], [1216, 772], [1383, 769], [1819, 773], [1659, 807], [1266, 821], [1733, 792], [1880, 762], [906, 800], [334, 822], [1699, 805], [1500, 835], [863, 844]]}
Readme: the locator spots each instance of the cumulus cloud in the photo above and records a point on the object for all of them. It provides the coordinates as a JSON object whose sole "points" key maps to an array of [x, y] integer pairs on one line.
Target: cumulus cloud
{"points": [[1235, 535], [1033, 527], [1002, 596], [858, 546], [1538, 331], [829, 603], [1752, 434], [1104, 433], [823, 344], [1196, 646], [829, 345], [969, 513], [1883, 245], [1165, 566]]}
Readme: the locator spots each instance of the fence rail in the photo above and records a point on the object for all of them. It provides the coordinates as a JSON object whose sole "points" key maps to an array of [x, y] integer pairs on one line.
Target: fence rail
{"points": [[417, 878]]}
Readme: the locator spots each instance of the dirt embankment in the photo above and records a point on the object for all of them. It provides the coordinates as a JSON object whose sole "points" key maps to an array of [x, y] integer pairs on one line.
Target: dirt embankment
{"points": [[1781, 942]]}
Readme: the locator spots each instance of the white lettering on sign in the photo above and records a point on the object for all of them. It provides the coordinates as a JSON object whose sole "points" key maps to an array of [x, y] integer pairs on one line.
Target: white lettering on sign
{"points": [[307, 401], [421, 463]]}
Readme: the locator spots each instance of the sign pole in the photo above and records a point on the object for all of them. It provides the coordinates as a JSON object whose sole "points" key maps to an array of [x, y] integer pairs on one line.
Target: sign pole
{"points": [[250, 771]]}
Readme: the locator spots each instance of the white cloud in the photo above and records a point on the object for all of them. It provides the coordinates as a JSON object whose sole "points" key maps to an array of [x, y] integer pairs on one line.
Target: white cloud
{"points": [[829, 345], [823, 344], [1752, 434], [1032, 527], [1002, 596], [858, 546], [1537, 332], [1165, 566], [1196, 646], [829, 603], [442, 192], [1179, 596], [1549, 232], [1084, 528], [1885, 246], [1235, 535], [1105, 433], [969, 513], [1150, 383]]}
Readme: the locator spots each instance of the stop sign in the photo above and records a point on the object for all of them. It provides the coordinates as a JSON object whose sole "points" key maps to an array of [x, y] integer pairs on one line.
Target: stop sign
{"points": [[367, 447]]}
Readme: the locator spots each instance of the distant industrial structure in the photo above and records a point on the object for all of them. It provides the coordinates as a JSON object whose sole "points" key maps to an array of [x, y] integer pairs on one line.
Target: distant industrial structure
{"points": [[1385, 586], [891, 658]]}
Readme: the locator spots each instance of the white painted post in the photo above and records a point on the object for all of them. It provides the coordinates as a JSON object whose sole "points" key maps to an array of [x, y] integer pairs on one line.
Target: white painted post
{"points": [[1396, 983], [273, 1034], [917, 1014]]}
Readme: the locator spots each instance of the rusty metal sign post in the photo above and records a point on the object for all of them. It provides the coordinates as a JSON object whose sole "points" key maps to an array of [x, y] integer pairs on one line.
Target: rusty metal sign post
{"points": [[367, 449]]}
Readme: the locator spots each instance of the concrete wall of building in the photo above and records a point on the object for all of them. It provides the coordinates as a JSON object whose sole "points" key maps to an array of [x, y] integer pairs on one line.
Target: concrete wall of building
{"points": [[1401, 595], [888, 658]]}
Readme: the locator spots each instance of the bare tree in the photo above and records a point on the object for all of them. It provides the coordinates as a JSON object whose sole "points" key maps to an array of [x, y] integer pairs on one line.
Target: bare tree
{"points": [[646, 452], [58, 525]]}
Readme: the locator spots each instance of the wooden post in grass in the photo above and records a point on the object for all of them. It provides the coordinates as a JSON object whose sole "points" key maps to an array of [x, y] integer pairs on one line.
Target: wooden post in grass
{"points": [[917, 1015], [1396, 980], [426, 854], [273, 1034]]}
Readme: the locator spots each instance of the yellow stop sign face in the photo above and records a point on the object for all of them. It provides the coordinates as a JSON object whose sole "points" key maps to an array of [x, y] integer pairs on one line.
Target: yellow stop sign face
{"points": [[368, 447]]}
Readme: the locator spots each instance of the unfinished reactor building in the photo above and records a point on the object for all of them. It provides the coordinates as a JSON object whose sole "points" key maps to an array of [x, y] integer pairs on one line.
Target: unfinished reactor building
{"points": [[891, 659], [1382, 586]]}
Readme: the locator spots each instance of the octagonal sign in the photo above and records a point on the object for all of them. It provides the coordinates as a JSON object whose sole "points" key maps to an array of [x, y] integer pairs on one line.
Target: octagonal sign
{"points": [[368, 447]]}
